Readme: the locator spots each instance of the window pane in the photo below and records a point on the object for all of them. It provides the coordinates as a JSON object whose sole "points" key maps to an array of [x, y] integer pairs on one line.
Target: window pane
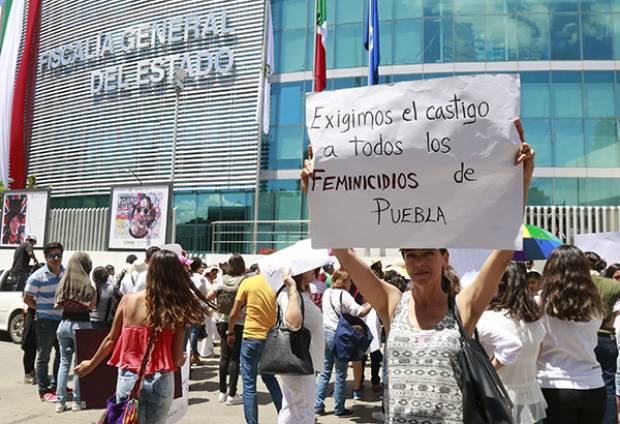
{"points": [[289, 107], [538, 133], [600, 191], [615, 5], [540, 192], [293, 14], [408, 42], [533, 37], [599, 94], [386, 39], [567, 98], [563, 5], [535, 94], [501, 6], [276, 14], [407, 8], [292, 56], [349, 46], [565, 36], [438, 7], [386, 9], [469, 7], [566, 192], [438, 40], [469, 39], [598, 6], [185, 203], [348, 12], [602, 146], [568, 145], [501, 38], [597, 36], [616, 36], [617, 93], [285, 150]]}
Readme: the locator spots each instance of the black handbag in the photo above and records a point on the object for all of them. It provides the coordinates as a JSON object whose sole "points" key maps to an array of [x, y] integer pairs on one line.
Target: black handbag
{"points": [[485, 400], [287, 352]]}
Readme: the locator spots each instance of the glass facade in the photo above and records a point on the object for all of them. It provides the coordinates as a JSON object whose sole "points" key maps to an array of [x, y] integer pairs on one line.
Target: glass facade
{"points": [[434, 31], [572, 117]]}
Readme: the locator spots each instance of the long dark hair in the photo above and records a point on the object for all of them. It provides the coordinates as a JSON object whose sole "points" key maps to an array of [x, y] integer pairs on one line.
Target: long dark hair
{"points": [[596, 263], [568, 291], [171, 297], [513, 294], [611, 270], [236, 265]]}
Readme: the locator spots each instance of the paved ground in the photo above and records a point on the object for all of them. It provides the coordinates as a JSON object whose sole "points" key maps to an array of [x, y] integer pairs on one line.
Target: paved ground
{"points": [[20, 404]]}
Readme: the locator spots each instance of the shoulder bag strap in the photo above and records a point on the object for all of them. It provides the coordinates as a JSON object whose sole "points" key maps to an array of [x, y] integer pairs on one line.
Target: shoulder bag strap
{"points": [[279, 311], [341, 292], [455, 311], [145, 360], [332, 303]]}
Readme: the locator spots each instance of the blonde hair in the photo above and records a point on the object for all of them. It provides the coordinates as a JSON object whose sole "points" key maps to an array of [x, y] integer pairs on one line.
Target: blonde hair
{"points": [[339, 279]]}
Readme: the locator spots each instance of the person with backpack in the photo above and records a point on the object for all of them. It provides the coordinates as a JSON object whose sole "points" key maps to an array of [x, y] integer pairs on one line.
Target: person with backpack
{"points": [[336, 301], [224, 294], [108, 298]]}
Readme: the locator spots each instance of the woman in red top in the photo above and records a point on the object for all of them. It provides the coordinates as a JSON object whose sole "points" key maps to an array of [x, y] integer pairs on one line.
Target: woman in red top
{"points": [[167, 306]]}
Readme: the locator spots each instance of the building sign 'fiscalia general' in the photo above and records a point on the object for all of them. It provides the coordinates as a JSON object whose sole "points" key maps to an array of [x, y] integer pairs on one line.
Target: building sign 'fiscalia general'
{"points": [[165, 32]]}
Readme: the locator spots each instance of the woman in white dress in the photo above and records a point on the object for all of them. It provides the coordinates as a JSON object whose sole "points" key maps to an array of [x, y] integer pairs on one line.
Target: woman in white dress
{"points": [[511, 331]]}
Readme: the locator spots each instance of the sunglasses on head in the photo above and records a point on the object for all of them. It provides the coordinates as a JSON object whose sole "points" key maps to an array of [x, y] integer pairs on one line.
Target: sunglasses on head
{"points": [[55, 256]]}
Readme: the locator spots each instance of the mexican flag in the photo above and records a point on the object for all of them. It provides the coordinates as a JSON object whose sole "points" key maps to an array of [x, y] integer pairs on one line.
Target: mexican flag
{"points": [[320, 73]]}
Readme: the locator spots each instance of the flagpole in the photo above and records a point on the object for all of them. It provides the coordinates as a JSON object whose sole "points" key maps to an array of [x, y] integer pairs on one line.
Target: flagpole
{"points": [[369, 39], [314, 50], [260, 127]]}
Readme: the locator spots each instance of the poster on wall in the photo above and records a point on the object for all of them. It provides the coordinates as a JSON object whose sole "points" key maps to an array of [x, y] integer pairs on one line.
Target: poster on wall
{"points": [[24, 213], [138, 216]]}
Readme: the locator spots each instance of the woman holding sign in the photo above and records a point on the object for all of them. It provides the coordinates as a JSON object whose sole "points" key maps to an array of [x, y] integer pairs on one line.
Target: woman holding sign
{"points": [[424, 376]]}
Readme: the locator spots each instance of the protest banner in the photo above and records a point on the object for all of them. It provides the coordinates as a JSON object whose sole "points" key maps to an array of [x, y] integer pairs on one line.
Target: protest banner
{"points": [[299, 258], [607, 245], [417, 164]]}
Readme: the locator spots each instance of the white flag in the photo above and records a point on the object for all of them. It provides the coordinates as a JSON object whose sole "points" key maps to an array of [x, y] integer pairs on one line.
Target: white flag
{"points": [[262, 111], [8, 72]]}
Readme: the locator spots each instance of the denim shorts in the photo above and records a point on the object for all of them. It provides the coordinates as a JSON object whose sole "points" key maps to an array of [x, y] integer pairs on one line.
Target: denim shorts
{"points": [[156, 394]]}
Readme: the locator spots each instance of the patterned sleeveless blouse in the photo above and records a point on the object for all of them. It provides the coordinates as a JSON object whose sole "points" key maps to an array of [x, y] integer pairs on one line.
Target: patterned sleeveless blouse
{"points": [[423, 371]]}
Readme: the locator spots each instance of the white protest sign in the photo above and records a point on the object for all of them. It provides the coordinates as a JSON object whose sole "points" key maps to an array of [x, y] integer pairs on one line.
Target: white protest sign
{"points": [[417, 164], [607, 245], [299, 258]]}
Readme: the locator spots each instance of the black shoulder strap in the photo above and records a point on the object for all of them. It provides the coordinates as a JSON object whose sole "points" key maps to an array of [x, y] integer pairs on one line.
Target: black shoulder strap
{"points": [[279, 316], [452, 306]]}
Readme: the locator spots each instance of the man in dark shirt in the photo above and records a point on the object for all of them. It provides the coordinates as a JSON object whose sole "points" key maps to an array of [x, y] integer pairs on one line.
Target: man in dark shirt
{"points": [[20, 270]]}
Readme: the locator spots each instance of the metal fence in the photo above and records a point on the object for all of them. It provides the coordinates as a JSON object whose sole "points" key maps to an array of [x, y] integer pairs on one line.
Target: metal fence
{"points": [[86, 229], [79, 229]]}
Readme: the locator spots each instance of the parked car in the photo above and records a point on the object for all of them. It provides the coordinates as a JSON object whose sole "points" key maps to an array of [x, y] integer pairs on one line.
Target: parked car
{"points": [[12, 307]]}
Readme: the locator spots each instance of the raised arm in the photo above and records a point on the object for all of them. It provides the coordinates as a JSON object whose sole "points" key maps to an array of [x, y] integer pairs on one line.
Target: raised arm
{"points": [[475, 298], [293, 317], [381, 295]]}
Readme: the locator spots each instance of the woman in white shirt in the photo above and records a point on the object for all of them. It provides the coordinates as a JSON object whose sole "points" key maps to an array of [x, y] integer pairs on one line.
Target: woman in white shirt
{"points": [[568, 371], [336, 300], [299, 391], [511, 330]]}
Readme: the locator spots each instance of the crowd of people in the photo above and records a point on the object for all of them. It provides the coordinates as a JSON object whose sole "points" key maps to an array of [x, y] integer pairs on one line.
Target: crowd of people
{"points": [[551, 336]]}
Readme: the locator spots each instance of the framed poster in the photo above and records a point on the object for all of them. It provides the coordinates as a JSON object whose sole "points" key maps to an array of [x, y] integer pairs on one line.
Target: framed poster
{"points": [[139, 216], [24, 213]]}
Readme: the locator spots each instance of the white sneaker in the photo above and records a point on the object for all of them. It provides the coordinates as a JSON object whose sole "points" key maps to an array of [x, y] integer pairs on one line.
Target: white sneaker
{"points": [[234, 400], [222, 397], [76, 406], [61, 407]]}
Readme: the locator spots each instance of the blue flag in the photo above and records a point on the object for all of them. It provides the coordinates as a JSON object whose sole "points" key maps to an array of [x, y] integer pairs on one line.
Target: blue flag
{"points": [[371, 42]]}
